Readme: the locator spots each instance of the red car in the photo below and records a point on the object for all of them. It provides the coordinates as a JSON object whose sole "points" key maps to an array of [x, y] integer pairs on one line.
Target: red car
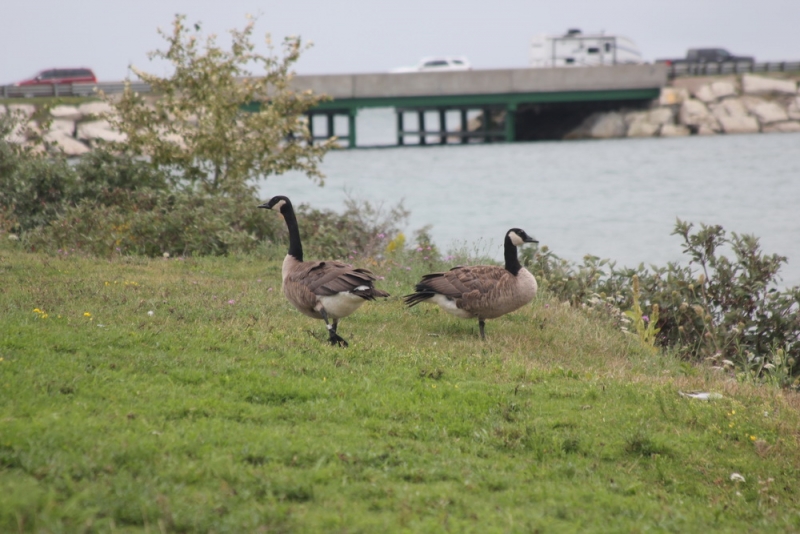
{"points": [[54, 76]]}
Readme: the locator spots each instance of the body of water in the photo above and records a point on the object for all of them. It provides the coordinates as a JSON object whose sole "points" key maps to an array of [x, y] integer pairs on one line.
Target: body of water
{"points": [[615, 199]]}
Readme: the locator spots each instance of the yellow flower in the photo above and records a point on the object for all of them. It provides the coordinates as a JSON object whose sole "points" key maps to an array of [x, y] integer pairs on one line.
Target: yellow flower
{"points": [[733, 412], [87, 314], [44, 316], [752, 438], [37, 310]]}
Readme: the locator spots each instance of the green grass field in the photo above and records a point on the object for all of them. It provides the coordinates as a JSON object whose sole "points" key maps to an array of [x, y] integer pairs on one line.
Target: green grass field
{"points": [[224, 410]]}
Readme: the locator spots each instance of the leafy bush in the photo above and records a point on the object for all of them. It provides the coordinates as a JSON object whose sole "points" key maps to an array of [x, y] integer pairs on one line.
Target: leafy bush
{"points": [[731, 313]]}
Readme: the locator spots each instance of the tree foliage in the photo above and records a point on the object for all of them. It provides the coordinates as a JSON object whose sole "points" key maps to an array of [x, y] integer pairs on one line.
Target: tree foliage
{"points": [[215, 122]]}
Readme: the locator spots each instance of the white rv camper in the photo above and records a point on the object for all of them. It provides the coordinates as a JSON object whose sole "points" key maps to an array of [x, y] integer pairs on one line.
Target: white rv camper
{"points": [[578, 49]]}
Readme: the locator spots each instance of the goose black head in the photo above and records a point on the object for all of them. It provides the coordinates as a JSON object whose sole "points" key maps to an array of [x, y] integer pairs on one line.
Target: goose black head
{"points": [[518, 236], [277, 203]]}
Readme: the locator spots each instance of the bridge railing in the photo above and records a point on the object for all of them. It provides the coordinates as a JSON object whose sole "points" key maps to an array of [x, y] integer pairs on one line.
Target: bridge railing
{"points": [[68, 89], [730, 67]]}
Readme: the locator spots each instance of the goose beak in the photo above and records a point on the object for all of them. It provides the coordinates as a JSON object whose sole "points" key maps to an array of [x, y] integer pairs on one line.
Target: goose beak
{"points": [[529, 239], [264, 205]]}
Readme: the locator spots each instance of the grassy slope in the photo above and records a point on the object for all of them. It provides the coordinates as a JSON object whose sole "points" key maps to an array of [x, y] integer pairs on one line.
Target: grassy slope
{"points": [[226, 411]]}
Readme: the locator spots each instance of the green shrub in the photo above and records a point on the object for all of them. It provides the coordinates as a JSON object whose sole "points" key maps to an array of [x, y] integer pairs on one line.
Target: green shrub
{"points": [[731, 313]]}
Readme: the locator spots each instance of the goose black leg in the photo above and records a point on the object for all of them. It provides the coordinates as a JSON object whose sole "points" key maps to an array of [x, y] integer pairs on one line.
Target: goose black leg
{"points": [[333, 337], [481, 324]]}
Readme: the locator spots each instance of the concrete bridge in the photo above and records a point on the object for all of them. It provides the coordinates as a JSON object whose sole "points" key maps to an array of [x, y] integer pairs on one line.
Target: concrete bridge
{"points": [[502, 95]]}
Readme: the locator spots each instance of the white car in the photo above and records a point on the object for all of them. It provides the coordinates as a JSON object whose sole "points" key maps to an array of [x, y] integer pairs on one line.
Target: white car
{"points": [[438, 64]]}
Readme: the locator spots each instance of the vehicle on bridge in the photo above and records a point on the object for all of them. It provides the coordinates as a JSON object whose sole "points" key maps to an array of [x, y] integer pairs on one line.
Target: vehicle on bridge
{"points": [[438, 64], [709, 55], [58, 76], [578, 49]]}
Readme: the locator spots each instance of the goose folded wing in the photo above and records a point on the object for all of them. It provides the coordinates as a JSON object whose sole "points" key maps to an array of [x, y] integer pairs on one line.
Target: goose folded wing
{"points": [[326, 278], [462, 280]]}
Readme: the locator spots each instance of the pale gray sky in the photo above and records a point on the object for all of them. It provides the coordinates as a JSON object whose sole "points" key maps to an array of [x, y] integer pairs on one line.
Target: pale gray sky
{"points": [[375, 35]]}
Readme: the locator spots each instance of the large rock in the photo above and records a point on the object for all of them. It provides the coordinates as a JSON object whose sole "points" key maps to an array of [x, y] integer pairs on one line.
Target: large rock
{"points": [[648, 123], [730, 107], [788, 126], [64, 126], [99, 130], [793, 109], [95, 108], [643, 128], [671, 96], [674, 130], [661, 116], [608, 125], [66, 143], [752, 84], [723, 89], [739, 124], [705, 94], [695, 114], [65, 112], [26, 110], [765, 111]]}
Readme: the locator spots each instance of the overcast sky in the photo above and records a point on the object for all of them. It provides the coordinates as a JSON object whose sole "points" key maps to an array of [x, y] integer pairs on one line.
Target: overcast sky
{"points": [[377, 35]]}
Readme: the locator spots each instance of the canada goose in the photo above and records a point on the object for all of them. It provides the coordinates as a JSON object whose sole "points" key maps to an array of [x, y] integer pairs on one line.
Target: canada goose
{"points": [[327, 290], [482, 291]]}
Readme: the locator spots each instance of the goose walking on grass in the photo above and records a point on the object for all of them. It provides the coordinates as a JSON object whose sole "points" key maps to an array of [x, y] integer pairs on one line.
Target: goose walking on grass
{"points": [[327, 290], [481, 291]]}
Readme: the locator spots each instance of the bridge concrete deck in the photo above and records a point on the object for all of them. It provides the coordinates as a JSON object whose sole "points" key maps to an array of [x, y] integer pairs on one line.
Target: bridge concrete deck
{"points": [[386, 89]]}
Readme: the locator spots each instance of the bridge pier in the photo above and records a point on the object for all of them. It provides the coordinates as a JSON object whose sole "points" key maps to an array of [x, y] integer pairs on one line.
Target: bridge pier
{"points": [[330, 116], [485, 133]]}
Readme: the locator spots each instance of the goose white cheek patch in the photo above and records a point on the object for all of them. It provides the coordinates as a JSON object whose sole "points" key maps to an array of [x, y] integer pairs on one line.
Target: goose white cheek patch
{"points": [[278, 205], [515, 239]]}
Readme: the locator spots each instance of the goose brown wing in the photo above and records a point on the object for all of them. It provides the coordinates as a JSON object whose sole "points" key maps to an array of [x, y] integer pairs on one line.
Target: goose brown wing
{"points": [[326, 278], [459, 281]]}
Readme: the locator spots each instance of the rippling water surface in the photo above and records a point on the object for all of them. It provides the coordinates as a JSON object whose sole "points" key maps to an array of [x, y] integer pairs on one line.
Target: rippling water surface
{"points": [[616, 199]]}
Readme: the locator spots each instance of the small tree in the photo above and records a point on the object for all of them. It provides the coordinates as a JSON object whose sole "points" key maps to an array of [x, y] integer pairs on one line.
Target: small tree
{"points": [[213, 121]]}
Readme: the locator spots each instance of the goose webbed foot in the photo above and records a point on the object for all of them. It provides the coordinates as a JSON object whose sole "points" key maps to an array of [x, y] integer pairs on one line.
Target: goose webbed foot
{"points": [[336, 340], [481, 325]]}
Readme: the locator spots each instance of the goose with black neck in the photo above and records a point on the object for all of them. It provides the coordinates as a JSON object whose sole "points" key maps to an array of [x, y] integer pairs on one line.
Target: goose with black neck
{"points": [[327, 290], [481, 291]]}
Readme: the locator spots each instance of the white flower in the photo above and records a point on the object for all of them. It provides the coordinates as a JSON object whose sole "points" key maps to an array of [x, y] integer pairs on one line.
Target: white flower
{"points": [[151, 313], [736, 477]]}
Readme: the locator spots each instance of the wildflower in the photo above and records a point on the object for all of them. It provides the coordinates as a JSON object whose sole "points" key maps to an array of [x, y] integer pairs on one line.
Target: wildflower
{"points": [[231, 301], [87, 314], [381, 236], [269, 289], [151, 313], [44, 316], [752, 438], [166, 255], [645, 318], [419, 249], [37, 310], [13, 237]]}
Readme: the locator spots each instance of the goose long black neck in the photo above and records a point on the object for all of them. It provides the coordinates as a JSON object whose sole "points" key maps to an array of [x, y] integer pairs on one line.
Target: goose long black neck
{"points": [[512, 261], [295, 246]]}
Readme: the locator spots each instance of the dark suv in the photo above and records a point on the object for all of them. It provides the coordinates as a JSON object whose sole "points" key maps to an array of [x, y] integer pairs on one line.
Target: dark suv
{"points": [[56, 76], [714, 55]]}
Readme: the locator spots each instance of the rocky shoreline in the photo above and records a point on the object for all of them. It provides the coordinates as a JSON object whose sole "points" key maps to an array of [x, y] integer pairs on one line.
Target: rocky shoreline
{"points": [[705, 106], [690, 106]]}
